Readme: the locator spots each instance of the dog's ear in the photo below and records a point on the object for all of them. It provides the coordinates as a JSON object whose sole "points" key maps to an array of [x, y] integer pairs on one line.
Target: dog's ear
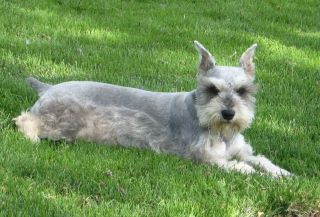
{"points": [[246, 60], [207, 61]]}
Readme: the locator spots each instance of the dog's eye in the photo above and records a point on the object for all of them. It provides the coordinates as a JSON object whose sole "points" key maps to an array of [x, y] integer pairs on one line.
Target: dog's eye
{"points": [[212, 90], [241, 91]]}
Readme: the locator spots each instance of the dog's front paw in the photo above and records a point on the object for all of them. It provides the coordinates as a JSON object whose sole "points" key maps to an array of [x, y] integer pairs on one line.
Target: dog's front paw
{"points": [[281, 173], [244, 168]]}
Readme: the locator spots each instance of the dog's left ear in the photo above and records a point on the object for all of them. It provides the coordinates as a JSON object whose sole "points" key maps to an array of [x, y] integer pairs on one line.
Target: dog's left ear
{"points": [[207, 61], [246, 60]]}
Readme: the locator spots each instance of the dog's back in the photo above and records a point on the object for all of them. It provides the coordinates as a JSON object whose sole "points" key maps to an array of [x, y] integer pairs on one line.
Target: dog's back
{"points": [[156, 104]]}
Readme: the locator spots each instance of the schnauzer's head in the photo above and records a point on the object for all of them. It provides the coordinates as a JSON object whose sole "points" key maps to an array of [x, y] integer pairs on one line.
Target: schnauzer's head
{"points": [[225, 96]]}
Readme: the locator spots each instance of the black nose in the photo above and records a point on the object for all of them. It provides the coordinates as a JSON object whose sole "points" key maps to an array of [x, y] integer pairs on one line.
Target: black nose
{"points": [[227, 114]]}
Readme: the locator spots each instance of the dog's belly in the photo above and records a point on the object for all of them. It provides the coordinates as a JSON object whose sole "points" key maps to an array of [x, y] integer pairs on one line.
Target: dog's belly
{"points": [[125, 127]]}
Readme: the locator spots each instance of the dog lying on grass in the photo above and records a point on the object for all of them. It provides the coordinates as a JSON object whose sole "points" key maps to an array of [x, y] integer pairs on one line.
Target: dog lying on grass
{"points": [[204, 124]]}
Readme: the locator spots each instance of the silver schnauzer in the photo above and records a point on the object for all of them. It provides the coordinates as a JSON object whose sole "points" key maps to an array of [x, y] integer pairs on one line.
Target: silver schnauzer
{"points": [[204, 124]]}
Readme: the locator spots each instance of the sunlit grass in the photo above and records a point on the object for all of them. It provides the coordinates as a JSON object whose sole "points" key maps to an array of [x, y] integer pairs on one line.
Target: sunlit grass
{"points": [[149, 45]]}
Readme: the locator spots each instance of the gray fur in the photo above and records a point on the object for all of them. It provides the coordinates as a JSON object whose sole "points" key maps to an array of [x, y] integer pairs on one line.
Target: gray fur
{"points": [[188, 124], [39, 86], [142, 121]]}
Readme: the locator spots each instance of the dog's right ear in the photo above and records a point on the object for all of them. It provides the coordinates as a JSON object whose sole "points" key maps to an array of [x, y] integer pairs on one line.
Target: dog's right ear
{"points": [[207, 61]]}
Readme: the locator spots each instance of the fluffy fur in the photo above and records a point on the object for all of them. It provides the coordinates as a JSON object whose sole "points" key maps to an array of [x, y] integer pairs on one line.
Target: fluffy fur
{"points": [[204, 125]]}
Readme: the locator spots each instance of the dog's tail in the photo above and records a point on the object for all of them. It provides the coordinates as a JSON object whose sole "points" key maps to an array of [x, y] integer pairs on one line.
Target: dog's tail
{"points": [[38, 85]]}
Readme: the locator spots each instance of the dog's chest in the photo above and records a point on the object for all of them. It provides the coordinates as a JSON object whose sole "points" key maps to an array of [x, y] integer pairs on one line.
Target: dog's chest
{"points": [[222, 146]]}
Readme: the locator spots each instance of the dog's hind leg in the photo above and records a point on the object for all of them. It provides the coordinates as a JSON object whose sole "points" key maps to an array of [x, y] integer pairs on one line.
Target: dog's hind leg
{"points": [[29, 124], [55, 119]]}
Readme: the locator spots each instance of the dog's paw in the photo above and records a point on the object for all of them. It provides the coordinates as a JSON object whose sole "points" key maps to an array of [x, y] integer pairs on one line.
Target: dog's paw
{"points": [[281, 173], [244, 168]]}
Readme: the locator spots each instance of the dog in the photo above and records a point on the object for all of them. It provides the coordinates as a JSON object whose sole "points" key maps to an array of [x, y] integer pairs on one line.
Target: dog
{"points": [[203, 125]]}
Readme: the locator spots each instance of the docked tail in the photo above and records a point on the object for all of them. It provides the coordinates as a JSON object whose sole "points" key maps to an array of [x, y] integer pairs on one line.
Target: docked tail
{"points": [[38, 85]]}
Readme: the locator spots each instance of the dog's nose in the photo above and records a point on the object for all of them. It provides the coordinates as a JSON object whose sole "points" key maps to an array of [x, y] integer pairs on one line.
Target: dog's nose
{"points": [[227, 114]]}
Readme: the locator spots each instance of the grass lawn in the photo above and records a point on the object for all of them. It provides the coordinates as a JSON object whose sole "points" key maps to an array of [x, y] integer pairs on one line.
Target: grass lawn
{"points": [[148, 44]]}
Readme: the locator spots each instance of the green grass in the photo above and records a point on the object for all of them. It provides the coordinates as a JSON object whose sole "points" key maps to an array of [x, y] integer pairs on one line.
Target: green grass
{"points": [[148, 44]]}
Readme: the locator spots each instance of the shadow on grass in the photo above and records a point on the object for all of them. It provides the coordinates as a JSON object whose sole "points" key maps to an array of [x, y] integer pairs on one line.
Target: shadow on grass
{"points": [[110, 50], [85, 43]]}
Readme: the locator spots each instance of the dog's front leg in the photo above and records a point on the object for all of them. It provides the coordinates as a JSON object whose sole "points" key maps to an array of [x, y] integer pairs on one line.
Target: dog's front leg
{"points": [[215, 153], [266, 165], [244, 151], [213, 150], [234, 165]]}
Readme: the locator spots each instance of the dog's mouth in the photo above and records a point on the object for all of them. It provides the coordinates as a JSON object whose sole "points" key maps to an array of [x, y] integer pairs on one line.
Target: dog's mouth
{"points": [[223, 126], [227, 121]]}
